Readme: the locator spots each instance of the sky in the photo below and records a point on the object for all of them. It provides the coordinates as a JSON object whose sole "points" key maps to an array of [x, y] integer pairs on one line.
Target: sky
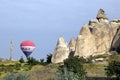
{"points": [[44, 21]]}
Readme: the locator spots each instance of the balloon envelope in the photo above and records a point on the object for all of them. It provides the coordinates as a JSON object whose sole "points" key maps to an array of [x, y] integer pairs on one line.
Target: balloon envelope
{"points": [[27, 47]]}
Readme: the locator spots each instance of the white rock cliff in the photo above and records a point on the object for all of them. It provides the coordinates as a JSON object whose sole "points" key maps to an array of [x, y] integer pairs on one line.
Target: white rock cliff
{"points": [[98, 37]]}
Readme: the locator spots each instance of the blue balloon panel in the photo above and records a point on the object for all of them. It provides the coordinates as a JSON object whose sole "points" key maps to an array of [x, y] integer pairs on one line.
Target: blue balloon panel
{"points": [[27, 54], [27, 50]]}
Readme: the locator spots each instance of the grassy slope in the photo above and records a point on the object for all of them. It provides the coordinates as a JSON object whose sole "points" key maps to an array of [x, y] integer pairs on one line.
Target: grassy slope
{"points": [[96, 69], [43, 72], [7, 66], [49, 71]]}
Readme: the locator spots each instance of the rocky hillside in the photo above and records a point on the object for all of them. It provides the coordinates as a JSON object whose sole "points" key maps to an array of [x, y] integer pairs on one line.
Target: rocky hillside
{"points": [[98, 37]]}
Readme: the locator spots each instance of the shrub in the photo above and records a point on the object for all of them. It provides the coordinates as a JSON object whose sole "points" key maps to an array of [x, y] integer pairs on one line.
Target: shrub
{"points": [[21, 60], [114, 57], [18, 76], [10, 68], [17, 66], [72, 69], [49, 56], [32, 61], [42, 61], [113, 69]]}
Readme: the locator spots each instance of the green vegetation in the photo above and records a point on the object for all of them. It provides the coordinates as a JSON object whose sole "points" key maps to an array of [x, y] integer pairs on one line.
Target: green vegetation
{"points": [[16, 68], [113, 69], [95, 69], [18, 76], [21, 60], [49, 56], [114, 57], [47, 72], [32, 61], [72, 69]]}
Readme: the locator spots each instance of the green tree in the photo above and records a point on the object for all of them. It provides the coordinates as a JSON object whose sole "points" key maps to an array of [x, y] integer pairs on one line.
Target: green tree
{"points": [[72, 69], [32, 61], [21, 60], [113, 69], [42, 61], [49, 56]]}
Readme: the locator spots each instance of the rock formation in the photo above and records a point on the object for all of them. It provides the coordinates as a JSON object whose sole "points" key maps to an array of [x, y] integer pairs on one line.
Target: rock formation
{"points": [[98, 37], [85, 45], [116, 41], [101, 14], [71, 46], [61, 51]]}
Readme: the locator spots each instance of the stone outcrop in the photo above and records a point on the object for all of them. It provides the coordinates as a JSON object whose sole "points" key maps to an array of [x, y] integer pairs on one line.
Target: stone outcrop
{"points": [[116, 41], [101, 16], [99, 37], [96, 37], [61, 51], [71, 46], [85, 45]]}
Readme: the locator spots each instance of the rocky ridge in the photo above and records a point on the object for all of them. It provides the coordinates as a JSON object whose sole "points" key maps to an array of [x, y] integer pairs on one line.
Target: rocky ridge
{"points": [[99, 37]]}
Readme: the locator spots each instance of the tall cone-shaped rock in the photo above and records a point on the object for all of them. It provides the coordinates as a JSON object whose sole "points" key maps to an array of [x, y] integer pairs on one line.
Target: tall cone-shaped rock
{"points": [[85, 45], [61, 51], [71, 46]]}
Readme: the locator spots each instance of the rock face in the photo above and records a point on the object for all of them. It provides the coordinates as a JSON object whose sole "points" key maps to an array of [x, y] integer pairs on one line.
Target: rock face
{"points": [[98, 37], [116, 41], [85, 45], [61, 51], [101, 14], [71, 46]]}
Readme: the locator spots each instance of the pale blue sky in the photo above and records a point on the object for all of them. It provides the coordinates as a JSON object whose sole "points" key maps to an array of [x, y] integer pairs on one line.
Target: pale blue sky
{"points": [[43, 21]]}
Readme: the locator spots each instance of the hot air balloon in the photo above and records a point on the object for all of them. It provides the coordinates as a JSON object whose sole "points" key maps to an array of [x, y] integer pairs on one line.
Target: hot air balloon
{"points": [[27, 47]]}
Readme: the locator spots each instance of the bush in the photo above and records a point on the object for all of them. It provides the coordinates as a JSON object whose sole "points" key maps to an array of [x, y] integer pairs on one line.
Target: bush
{"points": [[113, 69], [114, 57], [21, 60], [49, 56], [42, 61], [32, 61], [17, 66], [72, 69], [18, 76]]}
